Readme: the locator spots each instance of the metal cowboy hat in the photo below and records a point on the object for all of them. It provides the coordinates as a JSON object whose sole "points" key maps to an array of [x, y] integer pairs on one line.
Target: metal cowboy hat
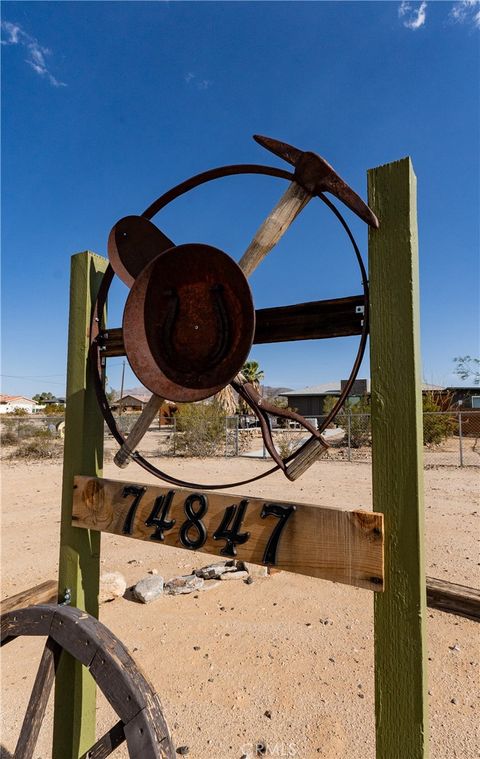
{"points": [[188, 322]]}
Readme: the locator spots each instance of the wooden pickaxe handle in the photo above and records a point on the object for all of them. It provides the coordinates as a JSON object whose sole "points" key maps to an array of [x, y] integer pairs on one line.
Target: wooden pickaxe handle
{"points": [[275, 225], [141, 426]]}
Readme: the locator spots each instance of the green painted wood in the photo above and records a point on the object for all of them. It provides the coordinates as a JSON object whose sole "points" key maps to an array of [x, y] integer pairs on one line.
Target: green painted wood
{"points": [[400, 642], [79, 565]]}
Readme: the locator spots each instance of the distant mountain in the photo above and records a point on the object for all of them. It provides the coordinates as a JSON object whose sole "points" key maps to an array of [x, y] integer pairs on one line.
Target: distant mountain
{"points": [[267, 391], [138, 390], [272, 392]]}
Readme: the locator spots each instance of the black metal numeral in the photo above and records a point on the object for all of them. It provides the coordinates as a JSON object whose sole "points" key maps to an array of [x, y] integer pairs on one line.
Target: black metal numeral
{"points": [[159, 516], [229, 528], [282, 512], [138, 492], [194, 521]]}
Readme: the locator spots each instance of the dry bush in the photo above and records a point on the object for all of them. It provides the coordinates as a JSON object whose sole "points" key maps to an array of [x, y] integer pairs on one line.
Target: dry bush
{"points": [[202, 430], [39, 449], [287, 442], [9, 437]]}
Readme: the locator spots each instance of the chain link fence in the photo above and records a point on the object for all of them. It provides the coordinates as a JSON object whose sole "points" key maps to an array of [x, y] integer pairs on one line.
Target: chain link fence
{"points": [[452, 438]]}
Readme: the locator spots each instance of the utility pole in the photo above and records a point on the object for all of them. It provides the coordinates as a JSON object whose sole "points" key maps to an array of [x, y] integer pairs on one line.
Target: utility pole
{"points": [[121, 389]]}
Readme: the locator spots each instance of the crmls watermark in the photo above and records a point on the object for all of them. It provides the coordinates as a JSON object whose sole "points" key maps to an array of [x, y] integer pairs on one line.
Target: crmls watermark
{"points": [[253, 750]]}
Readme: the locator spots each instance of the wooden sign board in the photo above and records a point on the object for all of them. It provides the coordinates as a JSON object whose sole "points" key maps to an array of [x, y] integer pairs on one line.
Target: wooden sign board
{"points": [[333, 544]]}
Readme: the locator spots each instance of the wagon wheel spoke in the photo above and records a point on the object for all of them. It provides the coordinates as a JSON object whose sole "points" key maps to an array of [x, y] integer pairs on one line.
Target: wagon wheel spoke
{"points": [[38, 700], [107, 743]]}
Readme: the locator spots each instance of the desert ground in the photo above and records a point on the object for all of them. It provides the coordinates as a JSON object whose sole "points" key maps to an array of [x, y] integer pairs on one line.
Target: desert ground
{"points": [[287, 660]]}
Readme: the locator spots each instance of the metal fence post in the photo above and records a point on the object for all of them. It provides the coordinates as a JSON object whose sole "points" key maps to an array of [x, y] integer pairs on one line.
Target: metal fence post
{"points": [[349, 434], [236, 436], [460, 437], [174, 435]]}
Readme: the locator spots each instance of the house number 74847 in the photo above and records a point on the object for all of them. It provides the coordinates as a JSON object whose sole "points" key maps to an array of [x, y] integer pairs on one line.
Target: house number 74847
{"points": [[192, 531]]}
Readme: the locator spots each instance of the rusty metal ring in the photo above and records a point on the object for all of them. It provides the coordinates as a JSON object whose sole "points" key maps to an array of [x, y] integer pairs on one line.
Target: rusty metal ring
{"points": [[100, 303]]}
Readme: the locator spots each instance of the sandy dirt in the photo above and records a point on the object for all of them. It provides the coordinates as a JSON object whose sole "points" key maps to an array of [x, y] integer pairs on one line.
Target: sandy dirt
{"points": [[298, 648]]}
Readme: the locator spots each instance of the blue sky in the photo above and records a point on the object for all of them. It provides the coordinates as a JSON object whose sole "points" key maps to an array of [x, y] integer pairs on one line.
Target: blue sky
{"points": [[106, 105]]}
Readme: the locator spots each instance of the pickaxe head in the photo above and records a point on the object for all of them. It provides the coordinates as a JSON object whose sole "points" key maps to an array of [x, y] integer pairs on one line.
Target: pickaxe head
{"points": [[316, 175]]}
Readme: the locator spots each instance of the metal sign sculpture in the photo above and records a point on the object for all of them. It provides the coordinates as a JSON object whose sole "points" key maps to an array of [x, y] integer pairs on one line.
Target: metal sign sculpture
{"points": [[189, 320]]}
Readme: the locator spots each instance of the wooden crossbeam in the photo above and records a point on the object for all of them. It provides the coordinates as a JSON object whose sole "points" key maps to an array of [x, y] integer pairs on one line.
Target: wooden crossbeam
{"points": [[316, 320], [45, 593]]}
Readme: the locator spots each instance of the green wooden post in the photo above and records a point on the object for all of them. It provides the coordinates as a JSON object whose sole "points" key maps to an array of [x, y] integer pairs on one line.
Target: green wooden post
{"points": [[79, 565], [397, 440]]}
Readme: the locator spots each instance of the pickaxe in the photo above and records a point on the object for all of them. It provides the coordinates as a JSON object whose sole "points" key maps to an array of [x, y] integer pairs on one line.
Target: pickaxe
{"points": [[313, 176]]}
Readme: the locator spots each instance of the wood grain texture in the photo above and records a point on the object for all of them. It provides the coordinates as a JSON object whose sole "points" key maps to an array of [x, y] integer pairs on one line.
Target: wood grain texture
{"points": [[38, 701], [91, 644], [107, 744], [141, 426], [79, 564], [275, 225], [44, 593], [303, 460], [452, 598], [397, 464], [344, 546], [35, 620]]}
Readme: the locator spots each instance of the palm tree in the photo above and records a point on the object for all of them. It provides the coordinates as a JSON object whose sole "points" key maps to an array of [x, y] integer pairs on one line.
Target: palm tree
{"points": [[226, 400], [252, 373]]}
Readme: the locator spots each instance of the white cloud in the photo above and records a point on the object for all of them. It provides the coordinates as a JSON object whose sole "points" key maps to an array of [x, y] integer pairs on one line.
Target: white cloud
{"points": [[466, 11], [199, 84], [15, 35], [413, 16]]}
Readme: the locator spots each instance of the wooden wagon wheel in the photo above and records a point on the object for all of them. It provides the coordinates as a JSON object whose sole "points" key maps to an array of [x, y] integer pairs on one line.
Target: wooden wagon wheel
{"points": [[142, 724]]}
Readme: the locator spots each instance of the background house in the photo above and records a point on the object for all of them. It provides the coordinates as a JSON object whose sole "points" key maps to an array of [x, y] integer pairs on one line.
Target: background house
{"points": [[136, 403], [309, 401], [10, 403]]}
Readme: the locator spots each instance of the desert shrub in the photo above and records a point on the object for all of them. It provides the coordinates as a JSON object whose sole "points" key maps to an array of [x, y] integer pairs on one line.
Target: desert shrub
{"points": [[9, 437], [358, 415], [287, 442], [437, 427], [200, 429], [37, 450], [44, 434], [26, 431], [53, 408], [20, 412]]}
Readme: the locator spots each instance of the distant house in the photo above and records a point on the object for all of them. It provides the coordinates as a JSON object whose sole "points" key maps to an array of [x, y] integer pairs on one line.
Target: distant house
{"points": [[9, 403], [55, 401], [464, 397], [131, 403], [309, 401], [137, 403]]}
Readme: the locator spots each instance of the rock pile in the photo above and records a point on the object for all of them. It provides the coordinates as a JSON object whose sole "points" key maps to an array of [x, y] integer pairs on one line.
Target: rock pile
{"points": [[153, 586]]}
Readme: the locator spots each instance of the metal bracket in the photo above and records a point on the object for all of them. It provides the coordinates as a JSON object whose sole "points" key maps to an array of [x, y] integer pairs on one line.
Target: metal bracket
{"points": [[67, 597]]}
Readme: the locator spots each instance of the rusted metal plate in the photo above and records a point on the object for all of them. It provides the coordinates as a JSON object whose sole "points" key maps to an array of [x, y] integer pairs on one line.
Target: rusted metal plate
{"points": [[133, 242], [188, 323]]}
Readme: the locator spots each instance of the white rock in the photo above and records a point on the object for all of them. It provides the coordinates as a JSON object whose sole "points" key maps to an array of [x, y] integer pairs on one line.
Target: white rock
{"points": [[255, 570], [234, 576], [209, 585], [148, 589], [183, 584], [112, 585], [214, 571]]}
